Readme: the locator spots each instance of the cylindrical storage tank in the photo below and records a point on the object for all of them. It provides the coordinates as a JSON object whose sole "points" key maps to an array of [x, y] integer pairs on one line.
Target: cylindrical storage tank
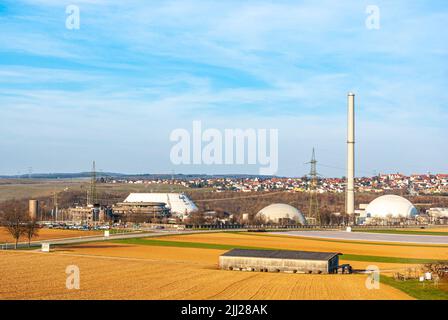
{"points": [[33, 209]]}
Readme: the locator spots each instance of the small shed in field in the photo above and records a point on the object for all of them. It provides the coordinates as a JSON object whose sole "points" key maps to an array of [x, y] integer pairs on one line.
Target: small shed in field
{"points": [[280, 261]]}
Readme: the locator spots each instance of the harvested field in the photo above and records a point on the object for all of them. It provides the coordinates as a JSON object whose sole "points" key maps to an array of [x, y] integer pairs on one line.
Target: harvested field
{"points": [[202, 256], [36, 188], [30, 188], [144, 272], [45, 234], [307, 244]]}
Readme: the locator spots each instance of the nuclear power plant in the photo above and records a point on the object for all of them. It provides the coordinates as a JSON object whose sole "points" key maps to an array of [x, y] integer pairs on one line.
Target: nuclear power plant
{"points": [[178, 207], [384, 210]]}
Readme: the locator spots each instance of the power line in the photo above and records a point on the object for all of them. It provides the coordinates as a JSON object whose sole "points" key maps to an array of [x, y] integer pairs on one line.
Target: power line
{"points": [[253, 196], [343, 169]]}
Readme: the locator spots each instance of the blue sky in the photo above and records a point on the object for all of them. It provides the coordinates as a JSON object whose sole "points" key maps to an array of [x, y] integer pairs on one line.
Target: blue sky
{"points": [[136, 70]]}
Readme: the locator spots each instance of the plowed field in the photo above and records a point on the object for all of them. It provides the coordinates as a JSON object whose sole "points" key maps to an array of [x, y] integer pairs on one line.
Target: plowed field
{"points": [[145, 272]]}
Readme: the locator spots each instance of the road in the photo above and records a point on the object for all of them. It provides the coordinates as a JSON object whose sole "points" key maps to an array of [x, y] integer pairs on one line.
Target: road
{"points": [[366, 236]]}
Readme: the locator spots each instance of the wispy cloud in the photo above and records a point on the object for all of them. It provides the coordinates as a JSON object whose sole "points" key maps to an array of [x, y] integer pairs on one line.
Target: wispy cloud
{"points": [[137, 68]]}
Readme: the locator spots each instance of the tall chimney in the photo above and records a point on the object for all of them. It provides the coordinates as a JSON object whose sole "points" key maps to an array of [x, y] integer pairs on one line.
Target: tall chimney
{"points": [[350, 192]]}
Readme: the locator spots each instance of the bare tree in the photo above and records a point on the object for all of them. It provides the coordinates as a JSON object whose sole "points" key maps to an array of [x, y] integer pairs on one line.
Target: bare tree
{"points": [[197, 218], [14, 218], [439, 268], [31, 230]]}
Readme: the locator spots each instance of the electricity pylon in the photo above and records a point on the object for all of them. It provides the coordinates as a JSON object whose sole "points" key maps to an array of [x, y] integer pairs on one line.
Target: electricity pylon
{"points": [[55, 205], [313, 211]]}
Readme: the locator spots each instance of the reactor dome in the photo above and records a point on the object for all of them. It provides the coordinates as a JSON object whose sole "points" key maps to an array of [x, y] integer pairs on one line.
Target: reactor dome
{"points": [[390, 206], [279, 211]]}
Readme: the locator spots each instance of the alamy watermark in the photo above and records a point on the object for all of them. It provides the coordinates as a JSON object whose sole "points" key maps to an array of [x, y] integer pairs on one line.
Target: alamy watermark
{"points": [[73, 277], [226, 147], [373, 279], [73, 19], [373, 18]]}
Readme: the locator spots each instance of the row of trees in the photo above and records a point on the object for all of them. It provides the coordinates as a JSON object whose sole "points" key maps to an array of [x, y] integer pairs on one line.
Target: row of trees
{"points": [[14, 217]]}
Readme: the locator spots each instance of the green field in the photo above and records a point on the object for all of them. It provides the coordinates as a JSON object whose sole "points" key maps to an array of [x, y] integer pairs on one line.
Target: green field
{"points": [[414, 288]]}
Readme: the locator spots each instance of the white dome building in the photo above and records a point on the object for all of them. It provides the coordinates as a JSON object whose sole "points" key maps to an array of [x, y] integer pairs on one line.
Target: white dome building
{"points": [[277, 212], [390, 206]]}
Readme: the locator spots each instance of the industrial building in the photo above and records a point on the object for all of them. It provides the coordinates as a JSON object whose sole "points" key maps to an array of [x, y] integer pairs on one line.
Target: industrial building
{"points": [[137, 207], [145, 206], [388, 209], [177, 203], [280, 261], [438, 215], [90, 215], [141, 211], [280, 213]]}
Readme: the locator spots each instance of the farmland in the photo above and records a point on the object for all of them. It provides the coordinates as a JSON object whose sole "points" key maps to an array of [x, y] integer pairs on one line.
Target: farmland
{"points": [[118, 271], [186, 267], [46, 234], [20, 189]]}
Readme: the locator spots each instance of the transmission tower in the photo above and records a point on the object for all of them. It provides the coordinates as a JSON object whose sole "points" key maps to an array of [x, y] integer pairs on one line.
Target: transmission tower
{"points": [[411, 189], [172, 181], [93, 195], [313, 211]]}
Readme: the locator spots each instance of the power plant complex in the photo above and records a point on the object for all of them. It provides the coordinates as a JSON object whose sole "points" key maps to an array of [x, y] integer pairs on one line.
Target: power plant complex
{"points": [[178, 207], [160, 210]]}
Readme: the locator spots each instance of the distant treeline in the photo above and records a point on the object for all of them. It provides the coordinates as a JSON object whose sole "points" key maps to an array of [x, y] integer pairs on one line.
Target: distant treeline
{"points": [[143, 176]]}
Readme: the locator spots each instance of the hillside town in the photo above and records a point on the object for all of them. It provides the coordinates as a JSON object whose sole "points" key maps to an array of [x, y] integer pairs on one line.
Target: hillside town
{"points": [[415, 184]]}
